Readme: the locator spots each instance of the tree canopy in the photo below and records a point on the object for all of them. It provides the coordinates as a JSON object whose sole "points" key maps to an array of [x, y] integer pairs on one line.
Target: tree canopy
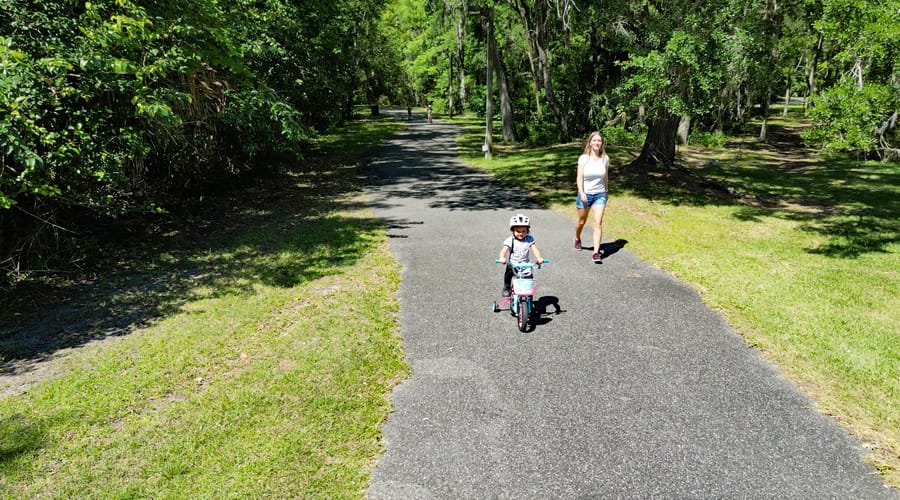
{"points": [[114, 106]]}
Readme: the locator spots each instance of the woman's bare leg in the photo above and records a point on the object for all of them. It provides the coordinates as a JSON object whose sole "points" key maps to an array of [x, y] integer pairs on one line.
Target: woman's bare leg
{"points": [[598, 226], [582, 220]]}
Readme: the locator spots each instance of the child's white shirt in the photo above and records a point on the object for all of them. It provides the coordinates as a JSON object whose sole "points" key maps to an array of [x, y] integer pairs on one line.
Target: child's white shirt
{"points": [[520, 251]]}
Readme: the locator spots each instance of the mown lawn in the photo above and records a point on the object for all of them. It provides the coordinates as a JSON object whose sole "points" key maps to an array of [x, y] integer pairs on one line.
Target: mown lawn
{"points": [[247, 352]]}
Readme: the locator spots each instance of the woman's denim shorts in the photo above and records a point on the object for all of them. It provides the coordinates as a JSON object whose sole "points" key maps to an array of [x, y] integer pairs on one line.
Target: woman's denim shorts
{"points": [[592, 199]]}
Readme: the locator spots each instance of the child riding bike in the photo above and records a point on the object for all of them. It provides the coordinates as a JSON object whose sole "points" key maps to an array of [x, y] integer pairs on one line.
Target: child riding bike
{"points": [[517, 247]]}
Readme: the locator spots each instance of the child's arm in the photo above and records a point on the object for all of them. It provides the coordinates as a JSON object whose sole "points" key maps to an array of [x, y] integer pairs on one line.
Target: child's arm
{"points": [[537, 253], [504, 251]]}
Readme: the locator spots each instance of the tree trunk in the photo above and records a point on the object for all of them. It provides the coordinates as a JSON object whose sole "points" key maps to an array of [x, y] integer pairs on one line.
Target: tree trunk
{"points": [[348, 102], [764, 105], [524, 13], [543, 53], [659, 146], [684, 129], [811, 70], [506, 111], [724, 96], [450, 102], [787, 100], [461, 57], [535, 82], [888, 151]]}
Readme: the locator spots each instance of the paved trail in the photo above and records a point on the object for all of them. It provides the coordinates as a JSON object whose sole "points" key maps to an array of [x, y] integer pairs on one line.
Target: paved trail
{"points": [[629, 387]]}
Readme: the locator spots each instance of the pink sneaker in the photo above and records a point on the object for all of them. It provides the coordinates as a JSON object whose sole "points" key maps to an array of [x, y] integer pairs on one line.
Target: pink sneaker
{"points": [[596, 257], [577, 244]]}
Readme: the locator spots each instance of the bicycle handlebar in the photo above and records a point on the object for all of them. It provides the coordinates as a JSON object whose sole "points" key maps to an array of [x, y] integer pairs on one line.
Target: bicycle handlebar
{"points": [[526, 264]]}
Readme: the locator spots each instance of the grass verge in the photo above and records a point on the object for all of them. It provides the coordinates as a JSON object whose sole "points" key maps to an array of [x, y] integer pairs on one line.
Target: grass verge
{"points": [[799, 253], [255, 348]]}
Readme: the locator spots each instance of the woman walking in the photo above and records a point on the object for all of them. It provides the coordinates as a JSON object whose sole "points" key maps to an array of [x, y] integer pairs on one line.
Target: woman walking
{"points": [[592, 179]]}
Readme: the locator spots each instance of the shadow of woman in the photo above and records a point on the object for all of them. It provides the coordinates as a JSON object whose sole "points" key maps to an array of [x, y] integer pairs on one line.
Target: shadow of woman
{"points": [[607, 249]]}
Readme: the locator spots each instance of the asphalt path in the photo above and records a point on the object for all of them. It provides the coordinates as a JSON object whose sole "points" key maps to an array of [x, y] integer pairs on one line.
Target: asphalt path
{"points": [[627, 387]]}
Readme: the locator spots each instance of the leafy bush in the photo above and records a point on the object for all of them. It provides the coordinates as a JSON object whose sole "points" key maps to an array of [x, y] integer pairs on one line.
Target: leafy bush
{"points": [[620, 136], [534, 132], [712, 140], [253, 115], [845, 117], [439, 105]]}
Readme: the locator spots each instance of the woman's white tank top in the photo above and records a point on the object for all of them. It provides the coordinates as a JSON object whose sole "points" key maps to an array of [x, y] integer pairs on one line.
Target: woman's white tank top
{"points": [[594, 172]]}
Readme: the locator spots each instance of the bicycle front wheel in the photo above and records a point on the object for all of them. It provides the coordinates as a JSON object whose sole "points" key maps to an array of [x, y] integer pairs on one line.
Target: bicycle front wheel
{"points": [[522, 316]]}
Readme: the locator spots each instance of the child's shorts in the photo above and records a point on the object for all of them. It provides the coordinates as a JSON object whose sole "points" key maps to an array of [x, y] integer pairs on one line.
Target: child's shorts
{"points": [[592, 199]]}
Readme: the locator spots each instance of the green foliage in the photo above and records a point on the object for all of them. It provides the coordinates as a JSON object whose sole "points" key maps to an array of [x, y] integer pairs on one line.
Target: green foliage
{"points": [[865, 43], [537, 132], [111, 106], [622, 137], [864, 34], [254, 114], [713, 140], [681, 78], [845, 117]]}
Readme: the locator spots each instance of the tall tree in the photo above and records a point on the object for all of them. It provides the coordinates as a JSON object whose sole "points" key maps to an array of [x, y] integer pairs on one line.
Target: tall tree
{"points": [[507, 115], [859, 111], [536, 16], [679, 75]]}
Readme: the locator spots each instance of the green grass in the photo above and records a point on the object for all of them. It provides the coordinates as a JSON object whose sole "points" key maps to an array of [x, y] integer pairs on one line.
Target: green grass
{"points": [[257, 335], [803, 262], [257, 361]]}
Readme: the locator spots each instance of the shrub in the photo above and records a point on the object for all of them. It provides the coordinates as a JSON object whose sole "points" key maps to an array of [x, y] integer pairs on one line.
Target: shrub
{"points": [[620, 136], [845, 117], [707, 139]]}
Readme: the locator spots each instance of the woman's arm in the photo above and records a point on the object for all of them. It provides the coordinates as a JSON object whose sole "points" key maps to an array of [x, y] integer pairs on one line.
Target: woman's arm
{"points": [[579, 180], [606, 175]]}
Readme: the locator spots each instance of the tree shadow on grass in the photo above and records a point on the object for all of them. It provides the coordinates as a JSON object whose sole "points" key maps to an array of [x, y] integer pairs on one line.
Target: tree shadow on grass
{"points": [[855, 206], [282, 233], [18, 436]]}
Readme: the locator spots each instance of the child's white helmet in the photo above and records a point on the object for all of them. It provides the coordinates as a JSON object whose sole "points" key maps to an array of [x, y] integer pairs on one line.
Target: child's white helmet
{"points": [[519, 220]]}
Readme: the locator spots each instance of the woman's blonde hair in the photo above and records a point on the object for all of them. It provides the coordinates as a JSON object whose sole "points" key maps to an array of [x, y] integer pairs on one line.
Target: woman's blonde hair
{"points": [[587, 145]]}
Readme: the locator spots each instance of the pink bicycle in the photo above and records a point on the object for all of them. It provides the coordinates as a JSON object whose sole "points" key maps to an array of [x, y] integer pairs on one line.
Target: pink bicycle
{"points": [[521, 298]]}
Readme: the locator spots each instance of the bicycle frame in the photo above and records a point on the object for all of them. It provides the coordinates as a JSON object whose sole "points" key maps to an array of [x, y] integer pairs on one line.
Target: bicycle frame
{"points": [[520, 300]]}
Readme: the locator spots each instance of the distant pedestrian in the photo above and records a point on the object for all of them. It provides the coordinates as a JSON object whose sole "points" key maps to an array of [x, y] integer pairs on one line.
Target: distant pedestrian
{"points": [[518, 248], [409, 113], [592, 180]]}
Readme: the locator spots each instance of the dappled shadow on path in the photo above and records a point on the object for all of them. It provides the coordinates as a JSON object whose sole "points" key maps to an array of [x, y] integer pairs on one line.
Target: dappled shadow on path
{"points": [[421, 163]]}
